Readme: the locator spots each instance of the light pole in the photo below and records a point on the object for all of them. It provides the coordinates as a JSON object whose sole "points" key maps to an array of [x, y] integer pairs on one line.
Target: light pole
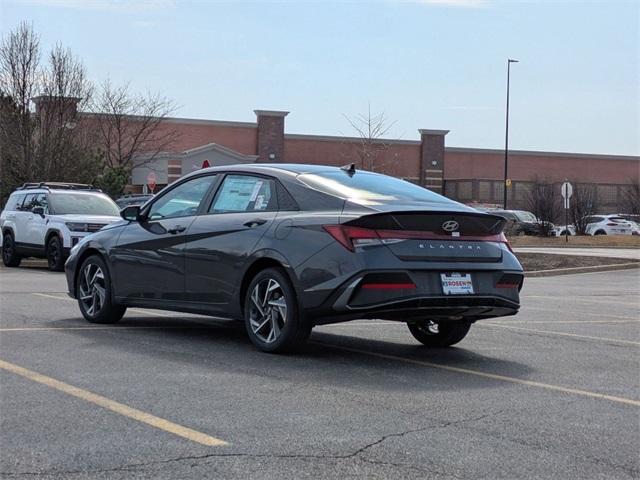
{"points": [[506, 136]]}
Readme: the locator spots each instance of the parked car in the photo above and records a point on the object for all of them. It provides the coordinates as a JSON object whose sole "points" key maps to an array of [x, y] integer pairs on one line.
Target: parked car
{"points": [[521, 222], [133, 199], [47, 219], [608, 225], [561, 230], [288, 247]]}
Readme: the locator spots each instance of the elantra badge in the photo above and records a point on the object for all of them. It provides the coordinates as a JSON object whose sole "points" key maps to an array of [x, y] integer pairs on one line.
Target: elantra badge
{"points": [[450, 226]]}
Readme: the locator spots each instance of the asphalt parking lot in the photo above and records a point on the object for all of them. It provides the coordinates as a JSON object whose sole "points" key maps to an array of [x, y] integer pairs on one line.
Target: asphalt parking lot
{"points": [[551, 393]]}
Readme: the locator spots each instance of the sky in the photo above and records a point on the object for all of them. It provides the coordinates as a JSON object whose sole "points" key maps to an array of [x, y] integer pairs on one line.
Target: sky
{"points": [[438, 64]]}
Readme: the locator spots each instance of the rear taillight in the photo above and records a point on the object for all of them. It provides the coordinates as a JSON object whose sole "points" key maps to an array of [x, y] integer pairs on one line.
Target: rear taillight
{"points": [[352, 237], [503, 239]]}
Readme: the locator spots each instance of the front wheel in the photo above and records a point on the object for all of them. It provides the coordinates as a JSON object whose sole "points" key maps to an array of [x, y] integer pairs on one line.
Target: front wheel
{"points": [[55, 254], [10, 258], [271, 315], [93, 289], [439, 335]]}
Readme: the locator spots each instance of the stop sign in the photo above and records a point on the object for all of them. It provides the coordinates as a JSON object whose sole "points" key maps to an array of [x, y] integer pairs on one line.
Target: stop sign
{"points": [[206, 164], [151, 181]]}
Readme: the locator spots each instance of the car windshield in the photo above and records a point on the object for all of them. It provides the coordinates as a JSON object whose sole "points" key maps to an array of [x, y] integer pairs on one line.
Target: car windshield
{"points": [[368, 188], [524, 216], [83, 204]]}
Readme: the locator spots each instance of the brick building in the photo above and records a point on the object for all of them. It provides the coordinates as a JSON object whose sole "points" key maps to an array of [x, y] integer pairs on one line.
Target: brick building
{"points": [[470, 175]]}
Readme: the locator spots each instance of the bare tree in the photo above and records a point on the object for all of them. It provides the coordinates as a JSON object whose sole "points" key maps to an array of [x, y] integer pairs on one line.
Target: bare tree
{"points": [[582, 204], [45, 144], [370, 130], [131, 129], [543, 200], [631, 198]]}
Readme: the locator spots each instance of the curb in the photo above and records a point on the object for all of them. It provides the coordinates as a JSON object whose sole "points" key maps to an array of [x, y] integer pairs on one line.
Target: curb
{"points": [[569, 271]]}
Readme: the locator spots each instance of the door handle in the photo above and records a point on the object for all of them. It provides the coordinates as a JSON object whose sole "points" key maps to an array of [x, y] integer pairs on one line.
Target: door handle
{"points": [[177, 229], [256, 222]]}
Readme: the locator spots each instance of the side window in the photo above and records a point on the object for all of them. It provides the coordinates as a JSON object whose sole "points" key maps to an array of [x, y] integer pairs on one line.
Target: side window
{"points": [[15, 202], [244, 193], [29, 202], [42, 201], [183, 200]]}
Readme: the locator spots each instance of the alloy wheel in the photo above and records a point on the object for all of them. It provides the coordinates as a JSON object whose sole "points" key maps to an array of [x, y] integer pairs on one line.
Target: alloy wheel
{"points": [[92, 289], [268, 310]]}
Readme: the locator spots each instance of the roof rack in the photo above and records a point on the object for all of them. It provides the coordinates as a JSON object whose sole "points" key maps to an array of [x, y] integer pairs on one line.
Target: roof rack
{"points": [[58, 186]]}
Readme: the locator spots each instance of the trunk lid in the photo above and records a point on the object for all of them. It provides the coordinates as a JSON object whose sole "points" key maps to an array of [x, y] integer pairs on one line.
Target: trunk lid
{"points": [[437, 236]]}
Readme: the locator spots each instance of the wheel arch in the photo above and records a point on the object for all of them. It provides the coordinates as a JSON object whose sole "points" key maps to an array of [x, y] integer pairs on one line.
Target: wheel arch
{"points": [[89, 251], [259, 263]]}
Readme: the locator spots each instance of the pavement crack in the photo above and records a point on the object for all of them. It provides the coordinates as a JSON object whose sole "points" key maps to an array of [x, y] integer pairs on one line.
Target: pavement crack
{"points": [[347, 456]]}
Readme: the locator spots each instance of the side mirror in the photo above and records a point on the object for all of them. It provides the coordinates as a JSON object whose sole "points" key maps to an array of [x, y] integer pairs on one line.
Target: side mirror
{"points": [[38, 211], [131, 213]]}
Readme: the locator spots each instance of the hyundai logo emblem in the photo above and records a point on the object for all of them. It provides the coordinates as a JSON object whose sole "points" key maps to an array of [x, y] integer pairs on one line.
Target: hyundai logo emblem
{"points": [[450, 226]]}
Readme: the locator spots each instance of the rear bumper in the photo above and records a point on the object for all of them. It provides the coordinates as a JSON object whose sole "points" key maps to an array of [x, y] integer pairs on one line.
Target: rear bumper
{"points": [[426, 301]]}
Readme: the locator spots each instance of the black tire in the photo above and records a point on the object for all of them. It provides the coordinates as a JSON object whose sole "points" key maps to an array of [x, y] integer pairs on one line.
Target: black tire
{"points": [[9, 256], [449, 333], [105, 311], [292, 332], [600, 232], [55, 254]]}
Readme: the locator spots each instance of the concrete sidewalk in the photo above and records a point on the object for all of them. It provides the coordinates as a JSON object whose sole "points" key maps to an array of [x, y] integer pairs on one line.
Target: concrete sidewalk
{"points": [[630, 253]]}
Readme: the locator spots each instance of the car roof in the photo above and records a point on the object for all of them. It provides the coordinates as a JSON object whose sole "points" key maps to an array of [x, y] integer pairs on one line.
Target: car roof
{"points": [[289, 169]]}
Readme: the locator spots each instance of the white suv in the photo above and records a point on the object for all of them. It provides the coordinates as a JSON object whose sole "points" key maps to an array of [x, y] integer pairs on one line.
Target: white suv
{"points": [[608, 225], [47, 219]]}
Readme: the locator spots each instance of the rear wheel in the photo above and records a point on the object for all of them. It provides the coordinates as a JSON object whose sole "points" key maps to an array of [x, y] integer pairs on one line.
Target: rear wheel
{"points": [[600, 232], [439, 335], [271, 315], [9, 256], [93, 289], [55, 254]]}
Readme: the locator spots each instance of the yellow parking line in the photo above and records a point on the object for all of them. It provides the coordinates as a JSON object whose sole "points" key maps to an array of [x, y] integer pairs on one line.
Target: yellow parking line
{"points": [[492, 376], [116, 407], [564, 334]]}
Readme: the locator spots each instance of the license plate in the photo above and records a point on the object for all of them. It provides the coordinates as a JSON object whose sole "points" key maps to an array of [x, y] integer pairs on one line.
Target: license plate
{"points": [[457, 283]]}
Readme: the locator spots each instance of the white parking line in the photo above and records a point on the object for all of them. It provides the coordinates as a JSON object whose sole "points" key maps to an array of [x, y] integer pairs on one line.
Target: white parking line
{"points": [[562, 334], [492, 376]]}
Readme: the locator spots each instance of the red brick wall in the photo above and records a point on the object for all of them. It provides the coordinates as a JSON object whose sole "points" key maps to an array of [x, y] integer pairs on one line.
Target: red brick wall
{"points": [[554, 167], [241, 139], [400, 159]]}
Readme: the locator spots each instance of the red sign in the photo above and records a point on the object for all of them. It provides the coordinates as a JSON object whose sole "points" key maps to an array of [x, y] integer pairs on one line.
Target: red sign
{"points": [[206, 164], [151, 181]]}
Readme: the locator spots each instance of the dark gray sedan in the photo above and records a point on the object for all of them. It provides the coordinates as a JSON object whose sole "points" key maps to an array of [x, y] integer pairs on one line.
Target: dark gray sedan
{"points": [[286, 247]]}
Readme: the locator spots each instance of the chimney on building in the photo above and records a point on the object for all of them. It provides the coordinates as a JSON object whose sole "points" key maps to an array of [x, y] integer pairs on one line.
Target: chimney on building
{"points": [[432, 159], [54, 110], [270, 136]]}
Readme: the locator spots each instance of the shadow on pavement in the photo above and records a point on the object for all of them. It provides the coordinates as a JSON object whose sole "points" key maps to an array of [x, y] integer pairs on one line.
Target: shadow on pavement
{"points": [[198, 345]]}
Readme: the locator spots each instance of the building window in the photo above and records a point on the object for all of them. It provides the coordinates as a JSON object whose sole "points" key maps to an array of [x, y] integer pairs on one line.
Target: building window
{"points": [[484, 191], [465, 190], [607, 194], [450, 189]]}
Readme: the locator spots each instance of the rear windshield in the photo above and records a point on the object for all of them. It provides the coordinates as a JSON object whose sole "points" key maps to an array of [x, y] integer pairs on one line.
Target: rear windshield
{"points": [[82, 204], [368, 188]]}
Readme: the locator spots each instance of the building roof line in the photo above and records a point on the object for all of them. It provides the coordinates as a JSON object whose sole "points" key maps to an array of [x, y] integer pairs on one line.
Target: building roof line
{"points": [[493, 151], [338, 138], [190, 121]]}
